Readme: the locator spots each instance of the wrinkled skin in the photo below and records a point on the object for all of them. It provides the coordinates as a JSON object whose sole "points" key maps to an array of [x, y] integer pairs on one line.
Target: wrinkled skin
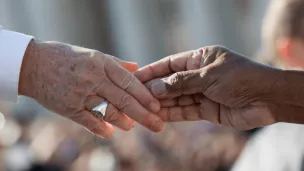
{"points": [[216, 84], [71, 80]]}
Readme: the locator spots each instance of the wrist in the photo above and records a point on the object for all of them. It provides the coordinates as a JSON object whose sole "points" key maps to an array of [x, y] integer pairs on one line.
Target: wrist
{"points": [[28, 69], [287, 113], [288, 87], [267, 82]]}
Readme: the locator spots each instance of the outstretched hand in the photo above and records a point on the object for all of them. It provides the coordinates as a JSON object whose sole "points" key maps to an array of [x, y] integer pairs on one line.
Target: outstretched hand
{"points": [[71, 80], [215, 84]]}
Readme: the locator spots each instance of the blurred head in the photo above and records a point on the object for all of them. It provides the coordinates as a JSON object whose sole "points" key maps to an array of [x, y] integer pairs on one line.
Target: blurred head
{"points": [[283, 32]]}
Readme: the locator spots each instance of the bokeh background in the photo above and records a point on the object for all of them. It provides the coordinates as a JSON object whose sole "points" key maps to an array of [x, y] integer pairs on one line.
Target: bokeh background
{"points": [[135, 30]]}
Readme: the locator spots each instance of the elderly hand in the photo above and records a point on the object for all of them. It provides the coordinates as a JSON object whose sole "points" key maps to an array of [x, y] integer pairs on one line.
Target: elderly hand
{"points": [[71, 80], [215, 84]]}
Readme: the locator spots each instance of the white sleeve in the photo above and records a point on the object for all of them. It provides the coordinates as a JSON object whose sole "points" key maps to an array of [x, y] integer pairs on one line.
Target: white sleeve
{"points": [[12, 48]]}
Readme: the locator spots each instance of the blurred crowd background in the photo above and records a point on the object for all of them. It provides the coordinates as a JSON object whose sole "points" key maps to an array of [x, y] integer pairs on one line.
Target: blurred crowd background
{"points": [[143, 31]]}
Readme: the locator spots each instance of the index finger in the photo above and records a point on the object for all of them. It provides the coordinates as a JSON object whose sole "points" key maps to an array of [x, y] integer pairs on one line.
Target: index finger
{"points": [[127, 104], [129, 83], [179, 62]]}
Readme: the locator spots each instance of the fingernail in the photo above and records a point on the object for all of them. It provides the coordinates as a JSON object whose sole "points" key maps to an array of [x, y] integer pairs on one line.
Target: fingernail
{"points": [[154, 107], [157, 124], [158, 88]]}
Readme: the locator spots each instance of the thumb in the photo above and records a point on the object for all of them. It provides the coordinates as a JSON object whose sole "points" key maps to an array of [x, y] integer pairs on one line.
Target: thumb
{"points": [[130, 66], [185, 82]]}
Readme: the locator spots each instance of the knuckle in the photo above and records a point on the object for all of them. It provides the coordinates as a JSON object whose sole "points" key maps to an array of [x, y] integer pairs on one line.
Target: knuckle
{"points": [[217, 48], [124, 101], [175, 79], [95, 55], [112, 114], [108, 61], [112, 57], [127, 81], [196, 60], [90, 102], [211, 53], [82, 120], [94, 59], [109, 64]]}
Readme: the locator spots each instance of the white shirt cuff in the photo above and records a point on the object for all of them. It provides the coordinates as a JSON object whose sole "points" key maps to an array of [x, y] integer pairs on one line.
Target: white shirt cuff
{"points": [[12, 48]]}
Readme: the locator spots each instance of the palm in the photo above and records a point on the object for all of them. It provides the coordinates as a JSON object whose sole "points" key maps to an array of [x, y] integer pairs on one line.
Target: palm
{"points": [[199, 107]]}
